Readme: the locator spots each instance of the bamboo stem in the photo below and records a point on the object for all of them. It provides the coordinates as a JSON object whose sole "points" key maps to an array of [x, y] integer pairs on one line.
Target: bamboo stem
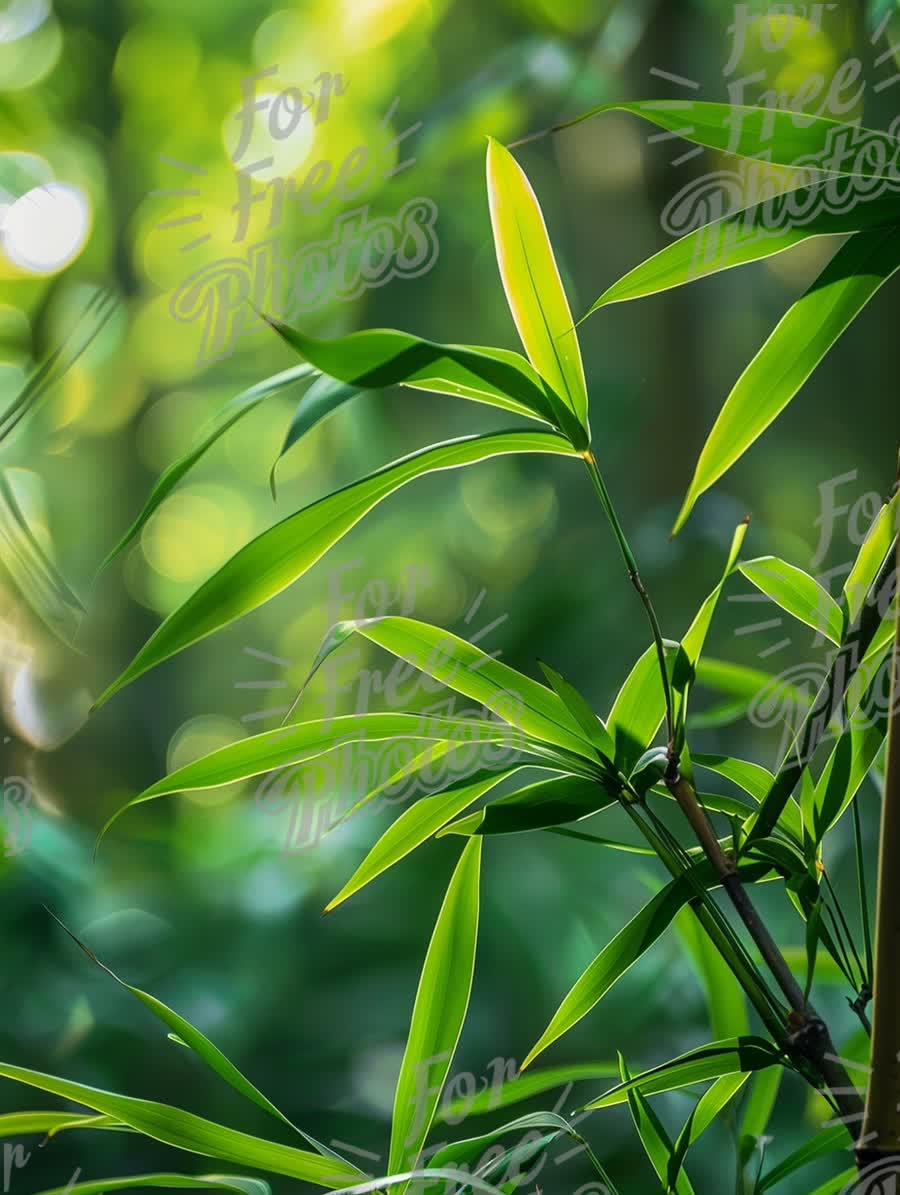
{"points": [[881, 1126]]}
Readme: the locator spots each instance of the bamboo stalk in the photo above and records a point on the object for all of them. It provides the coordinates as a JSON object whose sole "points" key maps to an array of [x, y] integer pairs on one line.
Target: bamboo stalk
{"points": [[881, 1126]]}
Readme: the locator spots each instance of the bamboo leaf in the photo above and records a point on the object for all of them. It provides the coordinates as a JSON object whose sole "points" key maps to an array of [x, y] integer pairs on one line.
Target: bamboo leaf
{"points": [[233, 411], [613, 961], [771, 134], [590, 724], [274, 749], [521, 1088], [183, 1130], [522, 702], [796, 592], [534, 289], [381, 357], [22, 1124], [539, 806], [656, 1143], [824, 1143], [210, 1054], [415, 825], [752, 234], [440, 1009], [237, 1184], [278, 557], [790, 355], [872, 555], [736, 1055], [639, 708]]}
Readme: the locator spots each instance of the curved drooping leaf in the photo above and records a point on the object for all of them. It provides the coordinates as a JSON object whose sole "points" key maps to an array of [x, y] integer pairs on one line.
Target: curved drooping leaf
{"points": [[522, 702], [235, 410], [613, 961], [749, 235], [521, 1088], [800, 341], [440, 1008], [275, 749], [235, 1183], [380, 357], [796, 592], [534, 289], [279, 556], [540, 806], [773, 135], [735, 1055], [210, 1054], [184, 1130], [421, 821]]}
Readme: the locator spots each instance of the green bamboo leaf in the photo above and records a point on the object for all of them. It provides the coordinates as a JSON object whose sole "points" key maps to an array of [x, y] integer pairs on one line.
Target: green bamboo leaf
{"points": [[278, 557], [233, 411], [694, 640], [875, 549], [210, 1054], [539, 806], [380, 357], [770, 134], [790, 355], [237, 1184], [702, 1114], [183, 1130], [756, 781], [796, 592], [23, 1124], [522, 702], [274, 749], [440, 1009], [760, 1103], [736, 1055], [639, 708], [590, 724], [845, 770], [753, 234], [840, 1184], [415, 825], [534, 289], [521, 1088], [613, 961], [826, 1142], [657, 1146]]}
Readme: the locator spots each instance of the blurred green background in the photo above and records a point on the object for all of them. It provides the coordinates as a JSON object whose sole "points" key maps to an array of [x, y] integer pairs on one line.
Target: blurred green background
{"points": [[195, 897]]}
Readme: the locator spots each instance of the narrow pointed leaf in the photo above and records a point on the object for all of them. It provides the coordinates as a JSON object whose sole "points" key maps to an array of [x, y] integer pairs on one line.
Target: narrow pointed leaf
{"points": [[278, 557], [875, 548], [417, 824], [612, 962], [440, 1009], [523, 1087], [639, 708], [274, 749], [796, 592], [531, 280], [657, 1146], [522, 702], [749, 235], [184, 1130], [591, 724], [826, 1142], [771, 134], [236, 1184], [793, 351], [210, 1054], [540, 806], [737, 1055], [22, 1124], [234, 411]]}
